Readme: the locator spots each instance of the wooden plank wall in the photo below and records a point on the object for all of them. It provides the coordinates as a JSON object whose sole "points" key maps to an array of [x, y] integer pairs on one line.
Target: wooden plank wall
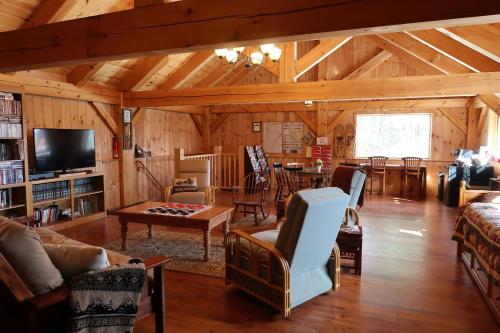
{"points": [[161, 132], [50, 112]]}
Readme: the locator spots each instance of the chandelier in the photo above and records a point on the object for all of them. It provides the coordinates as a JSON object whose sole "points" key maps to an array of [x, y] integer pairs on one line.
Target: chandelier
{"points": [[256, 58]]}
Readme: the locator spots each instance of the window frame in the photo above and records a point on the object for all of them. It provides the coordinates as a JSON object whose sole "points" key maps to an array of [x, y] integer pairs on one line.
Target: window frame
{"points": [[394, 113]]}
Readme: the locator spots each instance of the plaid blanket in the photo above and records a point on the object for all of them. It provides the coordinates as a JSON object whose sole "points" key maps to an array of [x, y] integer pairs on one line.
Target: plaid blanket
{"points": [[106, 301], [478, 226]]}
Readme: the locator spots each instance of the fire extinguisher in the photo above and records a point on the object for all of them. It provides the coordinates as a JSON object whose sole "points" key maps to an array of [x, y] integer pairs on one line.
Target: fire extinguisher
{"points": [[115, 148]]}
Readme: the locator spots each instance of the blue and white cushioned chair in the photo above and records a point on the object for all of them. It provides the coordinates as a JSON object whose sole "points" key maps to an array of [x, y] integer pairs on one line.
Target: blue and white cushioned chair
{"points": [[288, 267]]}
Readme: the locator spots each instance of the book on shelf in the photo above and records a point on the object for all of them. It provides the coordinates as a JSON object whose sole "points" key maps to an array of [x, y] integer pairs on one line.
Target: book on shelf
{"points": [[11, 172], [6, 197], [51, 191], [85, 206], [9, 105], [11, 150], [46, 215]]}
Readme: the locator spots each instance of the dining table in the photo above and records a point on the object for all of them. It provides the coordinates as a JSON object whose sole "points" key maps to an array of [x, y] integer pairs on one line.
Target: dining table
{"points": [[400, 168]]}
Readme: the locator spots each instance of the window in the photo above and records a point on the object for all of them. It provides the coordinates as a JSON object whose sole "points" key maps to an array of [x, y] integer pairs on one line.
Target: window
{"points": [[393, 135]]}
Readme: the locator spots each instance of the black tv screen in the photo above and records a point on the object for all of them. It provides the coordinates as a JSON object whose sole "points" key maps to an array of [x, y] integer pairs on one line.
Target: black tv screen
{"points": [[63, 149]]}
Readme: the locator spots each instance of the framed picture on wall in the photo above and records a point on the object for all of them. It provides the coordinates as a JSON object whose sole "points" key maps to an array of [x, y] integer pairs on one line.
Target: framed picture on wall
{"points": [[127, 129], [127, 118], [256, 126]]}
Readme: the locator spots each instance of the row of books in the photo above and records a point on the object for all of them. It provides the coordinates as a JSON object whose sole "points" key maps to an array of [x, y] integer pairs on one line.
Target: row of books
{"points": [[8, 105], [11, 150], [46, 215], [51, 191], [11, 172], [85, 206], [6, 197], [85, 185], [11, 130]]}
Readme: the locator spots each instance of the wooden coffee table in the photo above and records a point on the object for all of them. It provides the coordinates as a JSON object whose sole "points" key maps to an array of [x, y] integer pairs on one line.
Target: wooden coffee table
{"points": [[204, 221]]}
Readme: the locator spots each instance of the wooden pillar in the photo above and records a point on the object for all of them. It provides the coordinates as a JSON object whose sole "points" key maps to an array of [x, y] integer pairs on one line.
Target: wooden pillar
{"points": [[241, 165], [322, 119], [218, 166], [287, 62], [178, 155], [207, 134], [472, 125]]}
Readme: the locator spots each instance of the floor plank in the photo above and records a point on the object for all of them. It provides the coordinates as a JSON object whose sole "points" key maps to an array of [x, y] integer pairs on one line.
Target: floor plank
{"points": [[411, 282]]}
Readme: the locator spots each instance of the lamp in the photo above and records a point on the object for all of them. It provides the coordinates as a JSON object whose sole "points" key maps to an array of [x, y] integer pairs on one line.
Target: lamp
{"points": [[239, 49], [231, 56], [221, 53], [256, 58], [275, 54], [267, 48]]}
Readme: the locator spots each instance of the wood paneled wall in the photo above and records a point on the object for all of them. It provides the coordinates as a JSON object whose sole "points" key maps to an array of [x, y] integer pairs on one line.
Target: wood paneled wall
{"points": [[237, 131], [161, 132], [50, 112]]}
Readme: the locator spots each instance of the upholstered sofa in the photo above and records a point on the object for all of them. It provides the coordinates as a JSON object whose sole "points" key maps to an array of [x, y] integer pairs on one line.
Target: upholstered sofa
{"points": [[25, 310]]}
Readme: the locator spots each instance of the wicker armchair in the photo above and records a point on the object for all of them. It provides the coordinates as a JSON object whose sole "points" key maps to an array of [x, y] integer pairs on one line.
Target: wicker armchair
{"points": [[273, 265]]}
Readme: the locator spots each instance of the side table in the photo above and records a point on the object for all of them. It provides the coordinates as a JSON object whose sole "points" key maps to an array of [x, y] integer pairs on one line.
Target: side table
{"points": [[350, 242]]}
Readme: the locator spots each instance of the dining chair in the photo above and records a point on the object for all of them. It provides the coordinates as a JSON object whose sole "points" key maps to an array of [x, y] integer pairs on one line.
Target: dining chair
{"points": [[412, 169], [326, 176], [377, 168], [281, 181], [251, 196]]}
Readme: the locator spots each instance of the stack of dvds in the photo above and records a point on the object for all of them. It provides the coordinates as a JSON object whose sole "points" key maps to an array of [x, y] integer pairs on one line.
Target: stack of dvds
{"points": [[11, 172]]}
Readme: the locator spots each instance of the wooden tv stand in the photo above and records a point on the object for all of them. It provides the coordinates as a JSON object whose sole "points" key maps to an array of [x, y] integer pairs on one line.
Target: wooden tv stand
{"points": [[82, 194]]}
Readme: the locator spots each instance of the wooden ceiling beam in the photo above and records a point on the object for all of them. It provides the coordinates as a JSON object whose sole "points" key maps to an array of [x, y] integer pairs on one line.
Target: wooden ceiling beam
{"points": [[106, 117], [486, 38], [35, 86], [197, 123], [492, 101], [50, 11], [121, 35], [318, 53], [81, 74], [369, 65], [188, 69], [308, 121], [426, 53], [457, 50], [404, 55], [387, 88], [376, 105], [453, 120], [218, 122], [144, 69], [286, 64]]}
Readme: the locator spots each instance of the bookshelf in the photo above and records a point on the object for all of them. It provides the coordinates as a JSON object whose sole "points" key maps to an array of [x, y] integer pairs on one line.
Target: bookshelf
{"points": [[76, 199], [13, 165]]}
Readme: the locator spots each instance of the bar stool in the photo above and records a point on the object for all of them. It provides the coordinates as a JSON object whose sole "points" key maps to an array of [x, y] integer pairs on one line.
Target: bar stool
{"points": [[377, 168], [412, 169]]}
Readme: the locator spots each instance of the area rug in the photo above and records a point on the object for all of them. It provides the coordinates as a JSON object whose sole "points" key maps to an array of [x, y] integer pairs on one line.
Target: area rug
{"points": [[184, 249], [247, 223]]}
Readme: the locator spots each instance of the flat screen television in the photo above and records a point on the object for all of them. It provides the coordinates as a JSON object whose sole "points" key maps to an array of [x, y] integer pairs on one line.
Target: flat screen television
{"points": [[63, 149]]}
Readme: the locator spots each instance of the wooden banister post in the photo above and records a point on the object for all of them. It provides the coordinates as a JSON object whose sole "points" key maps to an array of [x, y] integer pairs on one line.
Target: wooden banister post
{"points": [[218, 164], [241, 165], [178, 155]]}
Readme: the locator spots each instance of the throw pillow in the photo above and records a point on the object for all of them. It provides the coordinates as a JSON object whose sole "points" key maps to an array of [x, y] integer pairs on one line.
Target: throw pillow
{"points": [[23, 249], [73, 260], [185, 185]]}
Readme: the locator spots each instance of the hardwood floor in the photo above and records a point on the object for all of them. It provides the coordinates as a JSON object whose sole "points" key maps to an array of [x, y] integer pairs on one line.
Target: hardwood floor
{"points": [[411, 282]]}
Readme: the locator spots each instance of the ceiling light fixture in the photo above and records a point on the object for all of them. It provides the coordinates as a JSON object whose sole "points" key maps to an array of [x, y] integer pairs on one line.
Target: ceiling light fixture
{"points": [[256, 58]]}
